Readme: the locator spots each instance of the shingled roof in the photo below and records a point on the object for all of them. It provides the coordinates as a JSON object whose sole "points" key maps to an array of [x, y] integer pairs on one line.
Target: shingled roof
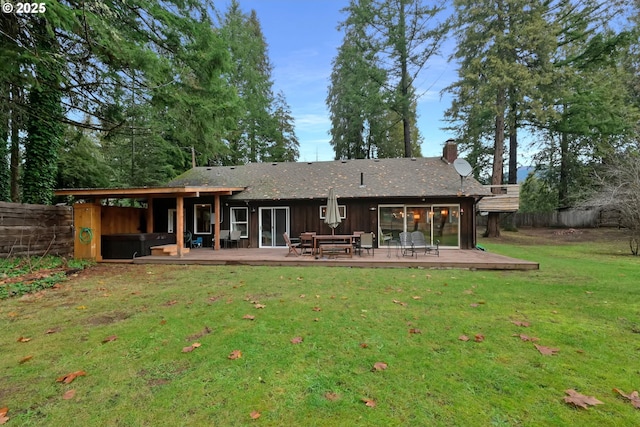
{"points": [[381, 178]]}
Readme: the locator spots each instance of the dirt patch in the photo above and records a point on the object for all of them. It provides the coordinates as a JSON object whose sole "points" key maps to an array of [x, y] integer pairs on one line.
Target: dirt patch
{"points": [[107, 319]]}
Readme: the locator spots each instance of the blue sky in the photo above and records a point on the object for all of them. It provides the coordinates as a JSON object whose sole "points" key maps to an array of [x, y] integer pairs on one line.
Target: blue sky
{"points": [[303, 40]]}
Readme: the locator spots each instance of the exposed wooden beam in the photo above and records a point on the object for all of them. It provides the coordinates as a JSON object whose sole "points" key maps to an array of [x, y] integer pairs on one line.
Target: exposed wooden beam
{"points": [[180, 225]]}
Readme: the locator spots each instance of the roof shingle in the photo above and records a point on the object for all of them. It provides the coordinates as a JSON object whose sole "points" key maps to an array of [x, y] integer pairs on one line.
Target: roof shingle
{"points": [[403, 177]]}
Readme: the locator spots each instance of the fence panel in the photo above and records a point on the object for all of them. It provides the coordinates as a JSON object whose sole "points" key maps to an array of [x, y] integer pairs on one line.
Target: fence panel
{"points": [[35, 230]]}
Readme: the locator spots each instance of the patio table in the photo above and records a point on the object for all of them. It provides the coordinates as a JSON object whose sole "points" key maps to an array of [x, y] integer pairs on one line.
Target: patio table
{"points": [[320, 239]]}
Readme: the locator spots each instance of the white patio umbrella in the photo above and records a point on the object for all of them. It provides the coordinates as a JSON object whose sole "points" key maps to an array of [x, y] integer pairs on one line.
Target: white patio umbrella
{"points": [[332, 217]]}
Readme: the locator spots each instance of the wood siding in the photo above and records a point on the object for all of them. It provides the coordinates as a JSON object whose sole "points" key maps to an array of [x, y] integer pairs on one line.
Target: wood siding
{"points": [[362, 215], [35, 230]]}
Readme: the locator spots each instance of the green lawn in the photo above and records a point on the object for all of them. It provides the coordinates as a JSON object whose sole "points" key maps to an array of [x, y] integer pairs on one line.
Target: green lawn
{"points": [[584, 301]]}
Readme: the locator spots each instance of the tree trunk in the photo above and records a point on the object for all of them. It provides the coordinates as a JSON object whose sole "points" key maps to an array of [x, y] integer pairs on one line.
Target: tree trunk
{"points": [[404, 82], [513, 142], [563, 185], [493, 221]]}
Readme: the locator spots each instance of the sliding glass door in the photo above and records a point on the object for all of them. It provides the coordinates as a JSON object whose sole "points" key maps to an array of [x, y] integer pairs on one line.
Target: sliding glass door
{"points": [[274, 222], [437, 222]]}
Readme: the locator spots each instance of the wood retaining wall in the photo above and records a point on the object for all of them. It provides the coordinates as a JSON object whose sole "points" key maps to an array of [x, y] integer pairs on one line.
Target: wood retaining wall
{"points": [[35, 230]]}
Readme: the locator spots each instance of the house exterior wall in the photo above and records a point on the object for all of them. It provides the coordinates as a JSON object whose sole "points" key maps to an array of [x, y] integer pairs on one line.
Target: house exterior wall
{"points": [[304, 215]]}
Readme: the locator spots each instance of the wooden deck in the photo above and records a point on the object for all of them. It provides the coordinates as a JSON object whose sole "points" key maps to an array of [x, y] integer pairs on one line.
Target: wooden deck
{"points": [[383, 258]]}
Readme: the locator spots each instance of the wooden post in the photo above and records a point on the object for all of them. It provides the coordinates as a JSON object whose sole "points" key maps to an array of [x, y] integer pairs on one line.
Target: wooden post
{"points": [[216, 216], [180, 225], [149, 215]]}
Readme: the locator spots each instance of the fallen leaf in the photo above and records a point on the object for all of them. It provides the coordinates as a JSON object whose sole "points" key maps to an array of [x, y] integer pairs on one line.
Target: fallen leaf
{"points": [[331, 396], [547, 351], [474, 305], [70, 394], [191, 347], [205, 331], [479, 338], [580, 400], [468, 292], [3, 415], [404, 304], [51, 331], [170, 303], [163, 322], [24, 339], [379, 366], [302, 295], [463, 338], [81, 307], [524, 337], [299, 278], [369, 402], [296, 340], [70, 377], [235, 354], [416, 297], [415, 331], [317, 309], [259, 305], [634, 398], [255, 415], [520, 323], [364, 345], [25, 359], [12, 314], [248, 317], [109, 339]]}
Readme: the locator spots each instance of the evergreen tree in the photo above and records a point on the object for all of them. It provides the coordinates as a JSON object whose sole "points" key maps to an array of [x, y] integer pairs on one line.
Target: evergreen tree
{"points": [[403, 35], [284, 145], [386, 45], [250, 75]]}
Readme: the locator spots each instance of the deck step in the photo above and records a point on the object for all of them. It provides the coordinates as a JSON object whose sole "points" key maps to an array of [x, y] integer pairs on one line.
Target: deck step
{"points": [[167, 250]]}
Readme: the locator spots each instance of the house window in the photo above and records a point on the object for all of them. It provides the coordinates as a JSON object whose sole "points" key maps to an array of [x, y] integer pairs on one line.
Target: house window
{"points": [[341, 208], [240, 221], [202, 219]]}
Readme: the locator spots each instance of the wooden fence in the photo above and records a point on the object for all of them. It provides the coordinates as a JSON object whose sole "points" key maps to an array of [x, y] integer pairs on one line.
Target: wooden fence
{"points": [[35, 230], [574, 218]]}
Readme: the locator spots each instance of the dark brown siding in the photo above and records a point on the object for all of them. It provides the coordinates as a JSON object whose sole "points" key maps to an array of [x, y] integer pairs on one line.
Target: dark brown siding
{"points": [[362, 215]]}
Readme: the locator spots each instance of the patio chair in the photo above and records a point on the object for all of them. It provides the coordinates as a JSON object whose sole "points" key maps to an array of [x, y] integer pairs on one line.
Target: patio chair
{"points": [[293, 247], [366, 242], [385, 239], [197, 242], [306, 242], [224, 238], [234, 238], [418, 242], [406, 244]]}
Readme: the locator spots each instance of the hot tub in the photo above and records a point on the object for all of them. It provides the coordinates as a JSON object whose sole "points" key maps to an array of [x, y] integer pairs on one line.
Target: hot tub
{"points": [[128, 246]]}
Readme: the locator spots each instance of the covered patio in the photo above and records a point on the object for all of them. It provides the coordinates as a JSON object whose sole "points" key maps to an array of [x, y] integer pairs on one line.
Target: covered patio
{"points": [[385, 257]]}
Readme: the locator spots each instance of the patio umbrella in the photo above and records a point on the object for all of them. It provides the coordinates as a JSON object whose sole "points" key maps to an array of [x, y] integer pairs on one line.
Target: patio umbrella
{"points": [[332, 217]]}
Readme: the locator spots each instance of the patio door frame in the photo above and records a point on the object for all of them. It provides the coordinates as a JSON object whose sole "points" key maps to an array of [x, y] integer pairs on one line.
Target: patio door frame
{"points": [[275, 228], [433, 210], [172, 220]]}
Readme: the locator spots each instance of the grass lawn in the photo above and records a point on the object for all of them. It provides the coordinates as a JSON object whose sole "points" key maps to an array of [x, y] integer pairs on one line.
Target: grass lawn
{"points": [[331, 346]]}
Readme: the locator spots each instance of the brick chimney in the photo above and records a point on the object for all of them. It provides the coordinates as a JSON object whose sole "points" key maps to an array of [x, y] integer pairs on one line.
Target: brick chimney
{"points": [[450, 151]]}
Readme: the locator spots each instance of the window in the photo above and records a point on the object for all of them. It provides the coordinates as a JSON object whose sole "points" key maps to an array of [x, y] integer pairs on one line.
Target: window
{"points": [[202, 219], [240, 221], [341, 208]]}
